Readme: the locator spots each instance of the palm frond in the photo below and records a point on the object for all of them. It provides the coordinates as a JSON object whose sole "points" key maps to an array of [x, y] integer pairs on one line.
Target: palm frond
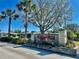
{"points": [[19, 7], [33, 7], [8, 12], [15, 16], [2, 17], [3, 12]]}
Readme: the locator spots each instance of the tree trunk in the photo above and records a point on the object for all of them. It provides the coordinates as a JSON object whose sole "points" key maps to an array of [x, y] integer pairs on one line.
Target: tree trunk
{"points": [[26, 25], [65, 24], [9, 27], [42, 30]]}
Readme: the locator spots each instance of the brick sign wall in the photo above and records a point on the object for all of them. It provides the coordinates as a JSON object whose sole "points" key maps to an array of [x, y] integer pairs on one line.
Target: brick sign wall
{"points": [[46, 37]]}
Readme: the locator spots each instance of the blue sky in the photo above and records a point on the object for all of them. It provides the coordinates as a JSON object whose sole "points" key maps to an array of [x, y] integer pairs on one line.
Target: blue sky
{"points": [[18, 24], [75, 6]]}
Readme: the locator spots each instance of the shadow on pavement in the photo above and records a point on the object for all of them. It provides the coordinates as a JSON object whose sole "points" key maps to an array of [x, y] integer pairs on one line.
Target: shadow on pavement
{"points": [[42, 51], [2, 45]]}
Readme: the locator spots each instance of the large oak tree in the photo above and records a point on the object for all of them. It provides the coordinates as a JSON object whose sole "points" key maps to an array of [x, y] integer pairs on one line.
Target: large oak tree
{"points": [[46, 13]]}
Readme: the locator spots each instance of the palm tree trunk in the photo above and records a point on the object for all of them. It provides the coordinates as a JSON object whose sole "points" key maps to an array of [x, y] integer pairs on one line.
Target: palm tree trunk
{"points": [[9, 27], [65, 25], [26, 24]]}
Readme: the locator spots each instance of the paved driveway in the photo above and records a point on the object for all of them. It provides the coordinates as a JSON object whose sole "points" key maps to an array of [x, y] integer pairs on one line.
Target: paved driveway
{"points": [[10, 51]]}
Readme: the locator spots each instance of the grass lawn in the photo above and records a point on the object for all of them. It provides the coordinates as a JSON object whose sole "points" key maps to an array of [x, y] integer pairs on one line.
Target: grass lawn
{"points": [[76, 43]]}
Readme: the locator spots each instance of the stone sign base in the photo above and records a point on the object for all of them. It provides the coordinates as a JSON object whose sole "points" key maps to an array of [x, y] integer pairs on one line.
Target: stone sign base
{"points": [[60, 50], [66, 51]]}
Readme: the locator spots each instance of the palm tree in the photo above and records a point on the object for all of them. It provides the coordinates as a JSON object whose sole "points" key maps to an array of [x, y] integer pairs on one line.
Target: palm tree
{"points": [[10, 14], [25, 6]]}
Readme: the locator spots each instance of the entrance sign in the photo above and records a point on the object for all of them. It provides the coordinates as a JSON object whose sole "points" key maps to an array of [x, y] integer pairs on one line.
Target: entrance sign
{"points": [[59, 38], [50, 38]]}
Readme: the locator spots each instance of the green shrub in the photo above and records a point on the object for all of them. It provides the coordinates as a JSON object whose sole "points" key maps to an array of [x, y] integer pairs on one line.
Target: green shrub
{"points": [[22, 41], [70, 44], [13, 35], [14, 40], [72, 35], [5, 39]]}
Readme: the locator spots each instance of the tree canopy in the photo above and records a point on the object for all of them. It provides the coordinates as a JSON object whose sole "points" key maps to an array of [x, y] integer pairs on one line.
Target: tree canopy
{"points": [[47, 13]]}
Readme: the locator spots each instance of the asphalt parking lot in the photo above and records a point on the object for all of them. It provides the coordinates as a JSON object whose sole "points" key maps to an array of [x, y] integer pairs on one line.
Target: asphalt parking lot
{"points": [[11, 51]]}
